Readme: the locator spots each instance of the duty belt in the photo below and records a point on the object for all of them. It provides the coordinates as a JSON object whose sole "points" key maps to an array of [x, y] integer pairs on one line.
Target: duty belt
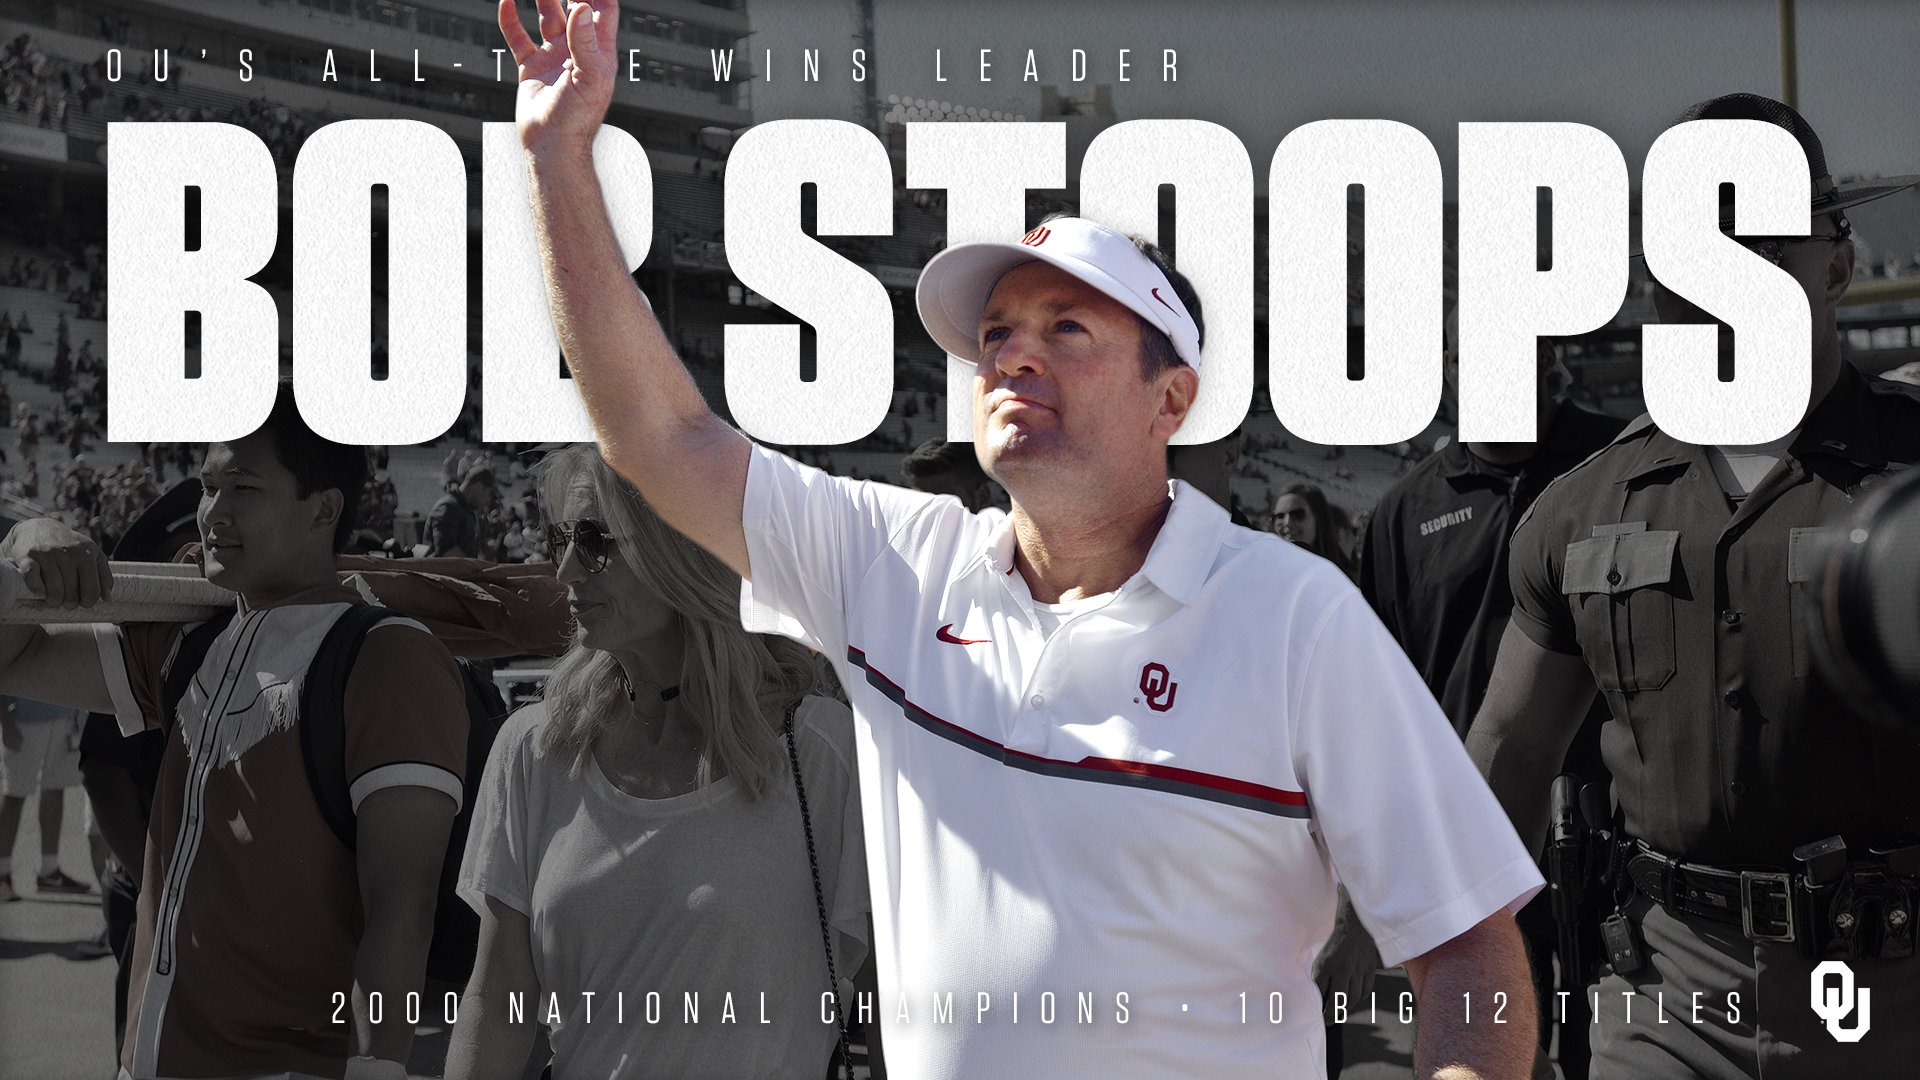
{"points": [[1861, 908], [1759, 902]]}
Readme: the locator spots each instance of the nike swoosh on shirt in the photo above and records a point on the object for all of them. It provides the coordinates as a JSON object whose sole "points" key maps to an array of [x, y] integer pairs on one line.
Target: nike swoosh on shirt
{"points": [[945, 634]]}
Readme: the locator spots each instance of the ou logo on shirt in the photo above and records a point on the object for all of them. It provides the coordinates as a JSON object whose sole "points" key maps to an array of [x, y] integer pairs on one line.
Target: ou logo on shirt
{"points": [[1157, 686]]}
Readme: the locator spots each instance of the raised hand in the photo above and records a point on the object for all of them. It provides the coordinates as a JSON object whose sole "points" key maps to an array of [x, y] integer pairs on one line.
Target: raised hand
{"points": [[566, 81], [51, 562]]}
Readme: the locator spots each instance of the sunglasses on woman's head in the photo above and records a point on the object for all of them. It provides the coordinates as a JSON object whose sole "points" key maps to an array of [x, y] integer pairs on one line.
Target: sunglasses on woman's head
{"points": [[590, 540]]}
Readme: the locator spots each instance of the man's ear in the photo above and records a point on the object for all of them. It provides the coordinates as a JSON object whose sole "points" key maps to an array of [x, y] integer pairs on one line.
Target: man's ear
{"points": [[328, 505], [1181, 385], [1839, 271]]}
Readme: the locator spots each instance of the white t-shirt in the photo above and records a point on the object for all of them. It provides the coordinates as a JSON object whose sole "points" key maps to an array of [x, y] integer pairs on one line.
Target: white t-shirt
{"points": [[1049, 617], [1143, 809], [1739, 469], [706, 894]]}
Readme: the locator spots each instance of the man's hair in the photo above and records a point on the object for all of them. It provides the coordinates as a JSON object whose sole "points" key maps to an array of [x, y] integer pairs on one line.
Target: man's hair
{"points": [[1156, 348], [937, 456], [316, 463]]}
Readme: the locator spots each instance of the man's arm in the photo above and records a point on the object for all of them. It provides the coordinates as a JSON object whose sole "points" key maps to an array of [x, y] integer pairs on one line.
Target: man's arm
{"points": [[653, 426], [478, 610], [60, 664], [401, 837], [1455, 1044], [118, 811], [1534, 707]]}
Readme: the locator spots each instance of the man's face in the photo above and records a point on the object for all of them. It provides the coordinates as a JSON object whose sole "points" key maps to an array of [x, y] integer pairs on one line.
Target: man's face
{"points": [[259, 534], [1822, 268], [1058, 381], [478, 494]]}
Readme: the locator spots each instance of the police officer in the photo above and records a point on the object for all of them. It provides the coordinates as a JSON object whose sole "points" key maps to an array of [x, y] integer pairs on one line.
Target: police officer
{"points": [[1675, 577], [1434, 568]]}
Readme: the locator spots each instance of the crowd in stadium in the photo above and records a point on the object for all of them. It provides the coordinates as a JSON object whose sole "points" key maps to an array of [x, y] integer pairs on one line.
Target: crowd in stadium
{"points": [[42, 89]]}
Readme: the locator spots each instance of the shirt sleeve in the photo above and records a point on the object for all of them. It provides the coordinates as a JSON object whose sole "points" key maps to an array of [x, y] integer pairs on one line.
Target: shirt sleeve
{"points": [[810, 537], [133, 664], [496, 862], [1540, 609], [406, 714], [1412, 830]]}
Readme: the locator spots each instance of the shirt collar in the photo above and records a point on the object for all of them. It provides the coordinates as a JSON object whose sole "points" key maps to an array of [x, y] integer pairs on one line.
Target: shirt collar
{"points": [[1456, 461], [313, 594], [1840, 426], [1183, 554], [1177, 564], [1660, 451]]}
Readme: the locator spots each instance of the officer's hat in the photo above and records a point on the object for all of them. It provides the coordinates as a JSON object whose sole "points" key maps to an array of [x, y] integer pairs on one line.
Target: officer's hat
{"points": [[1828, 197]]}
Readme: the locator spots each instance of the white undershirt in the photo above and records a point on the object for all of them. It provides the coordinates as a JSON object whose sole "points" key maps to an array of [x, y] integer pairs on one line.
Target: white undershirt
{"points": [[1048, 617], [1739, 469]]}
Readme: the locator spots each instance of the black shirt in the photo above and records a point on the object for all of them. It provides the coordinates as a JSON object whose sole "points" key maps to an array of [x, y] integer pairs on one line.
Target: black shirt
{"points": [[1434, 563], [1725, 745]]}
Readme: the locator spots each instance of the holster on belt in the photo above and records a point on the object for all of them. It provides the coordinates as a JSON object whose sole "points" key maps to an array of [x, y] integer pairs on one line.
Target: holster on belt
{"points": [[1838, 904]]}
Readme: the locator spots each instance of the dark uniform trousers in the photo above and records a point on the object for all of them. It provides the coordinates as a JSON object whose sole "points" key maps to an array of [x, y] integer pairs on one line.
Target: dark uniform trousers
{"points": [[1727, 747], [1755, 1015]]}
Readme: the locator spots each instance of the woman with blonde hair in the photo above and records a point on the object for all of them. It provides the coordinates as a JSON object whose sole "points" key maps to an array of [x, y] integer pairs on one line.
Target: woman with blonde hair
{"points": [[639, 853]]}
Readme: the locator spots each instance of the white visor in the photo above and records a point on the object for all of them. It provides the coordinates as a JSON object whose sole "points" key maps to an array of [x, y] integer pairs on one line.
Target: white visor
{"points": [[953, 289]]}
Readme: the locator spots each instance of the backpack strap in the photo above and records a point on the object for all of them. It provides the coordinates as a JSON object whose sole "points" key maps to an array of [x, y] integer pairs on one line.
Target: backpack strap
{"points": [[185, 663], [323, 716]]}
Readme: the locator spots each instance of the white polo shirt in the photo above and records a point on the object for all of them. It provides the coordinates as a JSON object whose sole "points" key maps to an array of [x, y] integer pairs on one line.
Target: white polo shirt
{"points": [[1142, 814]]}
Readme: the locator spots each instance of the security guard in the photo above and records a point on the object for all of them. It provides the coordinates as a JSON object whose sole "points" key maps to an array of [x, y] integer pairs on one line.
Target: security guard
{"points": [[1434, 568], [1677, 577], [1433, 565]]}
